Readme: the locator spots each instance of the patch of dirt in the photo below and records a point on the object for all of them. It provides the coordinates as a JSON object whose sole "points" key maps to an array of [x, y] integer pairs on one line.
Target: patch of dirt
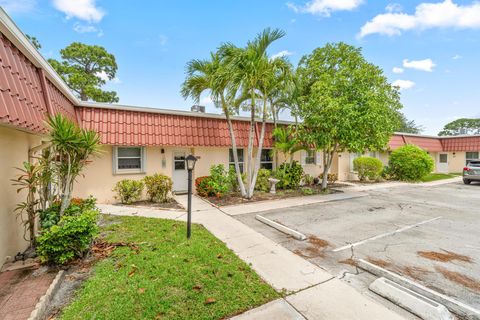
{"points": [[102, 249], [349, 261], [317, 242], [170, 204], [314, 252], [235, 197], [460, 279], [379, 262], [445, 256], [414, 272]]}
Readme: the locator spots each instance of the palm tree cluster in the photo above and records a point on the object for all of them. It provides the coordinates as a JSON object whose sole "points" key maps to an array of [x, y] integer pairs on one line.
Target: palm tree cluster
{"points": [[245, 78]]}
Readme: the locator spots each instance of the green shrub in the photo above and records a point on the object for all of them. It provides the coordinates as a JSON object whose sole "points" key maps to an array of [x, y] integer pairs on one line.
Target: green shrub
{"points": [[128, 190], [262, 183], [387, 173], [232, 177], [307, 191], [367, 167], [308, 180], [51, 215], [158, 187], [68, 239], [217, 184], [331, 178], [203, 187], [289, 175], [410, 163]]}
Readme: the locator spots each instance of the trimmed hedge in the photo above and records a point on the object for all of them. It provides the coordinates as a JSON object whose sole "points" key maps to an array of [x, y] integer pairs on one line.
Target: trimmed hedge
{"points": [[128, 191], [368, 167], [158, 187], [410, 163]]}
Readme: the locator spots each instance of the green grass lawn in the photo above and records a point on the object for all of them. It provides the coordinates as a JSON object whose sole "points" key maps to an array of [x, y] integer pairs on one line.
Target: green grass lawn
{"points": [[168, 277], [439, 176]]}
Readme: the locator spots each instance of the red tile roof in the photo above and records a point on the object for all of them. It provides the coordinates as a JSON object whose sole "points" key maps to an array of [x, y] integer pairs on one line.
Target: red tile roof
{"points": [[126, 127], [461, 143], [434, 144], [21, 97]]}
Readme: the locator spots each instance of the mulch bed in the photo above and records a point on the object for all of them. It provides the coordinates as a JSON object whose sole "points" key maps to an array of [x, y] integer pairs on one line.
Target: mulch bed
{"points": [[235, 197], [171, 204]]}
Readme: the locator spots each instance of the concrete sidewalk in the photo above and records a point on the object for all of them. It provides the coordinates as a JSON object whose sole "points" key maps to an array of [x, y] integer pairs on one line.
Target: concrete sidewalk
{"points": [[314, 293], [289, 202]]}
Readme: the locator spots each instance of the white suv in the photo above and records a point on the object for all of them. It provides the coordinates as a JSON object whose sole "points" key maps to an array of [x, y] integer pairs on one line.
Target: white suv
{"points": [[471, 172]]}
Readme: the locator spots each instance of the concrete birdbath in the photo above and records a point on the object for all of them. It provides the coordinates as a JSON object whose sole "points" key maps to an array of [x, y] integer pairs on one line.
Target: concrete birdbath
{"points": [[273, 182]]}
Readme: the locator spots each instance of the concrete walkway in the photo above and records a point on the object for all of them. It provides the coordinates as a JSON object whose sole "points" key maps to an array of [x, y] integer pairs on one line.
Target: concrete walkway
{"points": [[289, 202], [313, 292]]}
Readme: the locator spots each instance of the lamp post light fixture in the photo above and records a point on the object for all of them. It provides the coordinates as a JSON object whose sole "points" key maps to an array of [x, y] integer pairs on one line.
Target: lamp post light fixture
{"points": [[190, 162]]}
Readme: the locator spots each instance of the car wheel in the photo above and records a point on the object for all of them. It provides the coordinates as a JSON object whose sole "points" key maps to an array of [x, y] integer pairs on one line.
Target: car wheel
{"points": [[466, 181]]}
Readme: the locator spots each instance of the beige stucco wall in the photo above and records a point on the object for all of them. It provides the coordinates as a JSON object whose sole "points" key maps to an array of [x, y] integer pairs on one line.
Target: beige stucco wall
{"points": [[456, 161], [98, 177], [14, 146]]}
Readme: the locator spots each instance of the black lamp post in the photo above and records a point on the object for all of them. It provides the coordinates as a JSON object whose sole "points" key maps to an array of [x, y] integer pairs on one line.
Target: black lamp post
{"points": [[190, 160]]}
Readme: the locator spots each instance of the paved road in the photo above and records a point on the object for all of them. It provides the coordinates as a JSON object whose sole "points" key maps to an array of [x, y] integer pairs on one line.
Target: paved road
{"points": [[392, 227]]}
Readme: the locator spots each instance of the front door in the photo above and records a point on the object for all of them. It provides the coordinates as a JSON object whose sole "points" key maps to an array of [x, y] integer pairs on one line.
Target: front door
{"points": [[442, 163], [180, 174]]}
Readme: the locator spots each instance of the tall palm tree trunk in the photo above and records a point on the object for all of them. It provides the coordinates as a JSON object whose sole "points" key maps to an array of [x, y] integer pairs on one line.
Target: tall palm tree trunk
{"points": [[235, 155]]}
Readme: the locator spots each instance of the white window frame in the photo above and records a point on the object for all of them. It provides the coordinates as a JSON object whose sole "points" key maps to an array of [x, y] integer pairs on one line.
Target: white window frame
{"points": [[143, 157], [467, 159], [241, 164]]}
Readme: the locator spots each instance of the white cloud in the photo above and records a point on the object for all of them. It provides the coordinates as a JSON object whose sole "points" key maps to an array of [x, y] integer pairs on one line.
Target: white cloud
{"points": [[283, 53], [17, 6], [325, 7], [423, 65], [102, 75], [456, 57], [81, 28], [206, 101], [80, 9], [393, 7], [446, 14], [403, 84], [397, 70]]}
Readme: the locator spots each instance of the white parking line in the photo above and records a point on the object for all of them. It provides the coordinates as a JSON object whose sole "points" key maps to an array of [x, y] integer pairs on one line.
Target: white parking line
{"points": [[384, 235]]}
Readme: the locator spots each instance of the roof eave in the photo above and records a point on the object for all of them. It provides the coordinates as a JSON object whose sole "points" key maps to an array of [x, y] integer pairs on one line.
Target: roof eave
{"points": [[18, 38]]}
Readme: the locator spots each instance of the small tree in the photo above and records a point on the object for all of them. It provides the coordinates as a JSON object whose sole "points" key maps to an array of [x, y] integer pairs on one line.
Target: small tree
{"points": [[346, 104], [28, 180], [71, 147], [286, 142], [85, 68], [461, 126]]}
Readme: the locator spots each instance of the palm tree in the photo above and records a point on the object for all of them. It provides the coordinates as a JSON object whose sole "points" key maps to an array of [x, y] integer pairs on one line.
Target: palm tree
{"points": [[212, 75], [254, 73], [286, 142]]}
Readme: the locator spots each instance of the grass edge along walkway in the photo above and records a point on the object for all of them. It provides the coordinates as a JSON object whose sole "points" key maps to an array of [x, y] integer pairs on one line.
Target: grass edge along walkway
{"points": [[168, 277]]}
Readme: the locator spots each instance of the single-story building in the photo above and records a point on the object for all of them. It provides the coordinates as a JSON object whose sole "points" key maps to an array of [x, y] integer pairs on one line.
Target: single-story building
{"points": [[138, 141]]}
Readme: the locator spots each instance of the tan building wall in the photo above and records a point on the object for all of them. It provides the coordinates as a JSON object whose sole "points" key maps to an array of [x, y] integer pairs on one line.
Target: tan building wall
{"points": [[14, 146], [456, 161]]}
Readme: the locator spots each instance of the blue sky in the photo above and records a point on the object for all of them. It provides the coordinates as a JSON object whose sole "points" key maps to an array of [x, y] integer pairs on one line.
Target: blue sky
{"points": [[433, 45]]}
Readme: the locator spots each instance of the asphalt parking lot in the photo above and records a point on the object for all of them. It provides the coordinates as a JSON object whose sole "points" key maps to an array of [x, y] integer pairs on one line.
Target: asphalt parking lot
{"points": [[428, 234]]}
